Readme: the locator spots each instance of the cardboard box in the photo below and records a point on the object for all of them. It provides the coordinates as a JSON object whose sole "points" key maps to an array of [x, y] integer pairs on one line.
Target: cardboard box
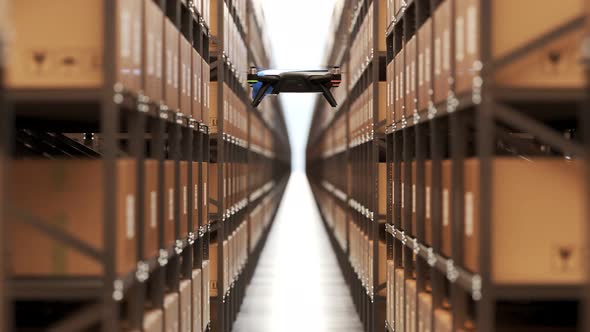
{"points": [[442, 51], [382, 187], [213, 188], [67, 52], [186, 54], [424, 312], [556, 65], [169, 203], [185, 306], [411, 306], [390, 293], [382, 24], [57, 192], [153, 321], [214, 277], [446, 207], [198, 7], [399, 299], [410, 77], [424, 65], [399, 106], [196, 197], [214, 124], [206, 295], [428, 203], [214, 25], [184, 203], [171, 58], [197, 87], [205, 197], [151, 209], [171, 313], [208, 87], [518, 256], [153, 50], [197, 300], [443, 320], [382, 267], [390, 90]]}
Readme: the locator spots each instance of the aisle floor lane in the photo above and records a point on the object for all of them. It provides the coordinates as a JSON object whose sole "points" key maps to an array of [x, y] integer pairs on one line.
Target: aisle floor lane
{"points": [[297, 285]]}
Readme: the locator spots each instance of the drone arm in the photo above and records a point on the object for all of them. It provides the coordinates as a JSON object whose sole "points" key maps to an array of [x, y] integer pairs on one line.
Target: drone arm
{"points": [[261, 93], [328, 95]]}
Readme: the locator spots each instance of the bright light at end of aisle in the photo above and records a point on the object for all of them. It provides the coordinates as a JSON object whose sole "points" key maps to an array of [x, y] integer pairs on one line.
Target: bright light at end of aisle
{"points": [[298, 30]]}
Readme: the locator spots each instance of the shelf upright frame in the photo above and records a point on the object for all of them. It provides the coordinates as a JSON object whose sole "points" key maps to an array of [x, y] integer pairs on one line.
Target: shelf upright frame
{"points": [[485, 147]]}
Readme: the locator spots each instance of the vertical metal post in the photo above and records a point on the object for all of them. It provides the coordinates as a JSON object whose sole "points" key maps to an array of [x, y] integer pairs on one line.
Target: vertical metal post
{"points": [[485, 144], [109, 129]]}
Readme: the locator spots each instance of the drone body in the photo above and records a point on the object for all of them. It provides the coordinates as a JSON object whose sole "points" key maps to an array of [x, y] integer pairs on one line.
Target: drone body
{"points": [[276, 81]]}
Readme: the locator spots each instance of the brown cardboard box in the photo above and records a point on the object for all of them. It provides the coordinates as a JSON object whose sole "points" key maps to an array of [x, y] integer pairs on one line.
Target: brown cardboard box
{"points": [[196, 196], [399, 106], [184, 203], [206, 295], [151, 208], [410, 297], [382, 189], [410, 77], [198, 7], [382, 266], [208, 87], [186, 51], [197, 87], [169, 231], [197, 300], [225, 262], [171, 58], [382, 25], [390, 293], [467, 32], [153, 50], [57, 192], [557, 65], [424, 312], [67, 52], [446, 207], [442, 51], [214, 124], [389, 117], [153, 321], [443, 320], [213, 261], [424, 65], [550, 16], [399, 299], [428, 203], [549, 257], [414, 230], [185, 291], [171, 313], [213, 188], [382, 104], [214, 25], [205, 197]]}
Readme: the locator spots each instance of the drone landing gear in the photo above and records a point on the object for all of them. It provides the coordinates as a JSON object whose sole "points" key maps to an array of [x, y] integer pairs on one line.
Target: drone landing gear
{"points": [[328, 95], [261, 93]]}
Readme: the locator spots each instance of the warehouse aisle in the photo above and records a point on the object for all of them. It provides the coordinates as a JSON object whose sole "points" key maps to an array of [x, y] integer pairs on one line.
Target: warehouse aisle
{"points": [[298, 285]]}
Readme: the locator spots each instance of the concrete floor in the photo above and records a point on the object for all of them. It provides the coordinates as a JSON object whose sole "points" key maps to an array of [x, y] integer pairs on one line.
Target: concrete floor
{"points": [[297, 285]]}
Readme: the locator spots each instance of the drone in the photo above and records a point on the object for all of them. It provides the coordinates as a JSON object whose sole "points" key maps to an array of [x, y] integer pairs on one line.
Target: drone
{"points": [[301, 81]]}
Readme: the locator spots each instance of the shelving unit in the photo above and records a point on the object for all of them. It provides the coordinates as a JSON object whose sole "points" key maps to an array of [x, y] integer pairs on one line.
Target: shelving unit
{"points": [[451, 144], [170, 142], [232, 42], [346, 156]]}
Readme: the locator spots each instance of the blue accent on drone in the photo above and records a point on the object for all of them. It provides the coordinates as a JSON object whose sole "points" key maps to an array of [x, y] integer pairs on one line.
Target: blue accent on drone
{"points": [[256, 87]]}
